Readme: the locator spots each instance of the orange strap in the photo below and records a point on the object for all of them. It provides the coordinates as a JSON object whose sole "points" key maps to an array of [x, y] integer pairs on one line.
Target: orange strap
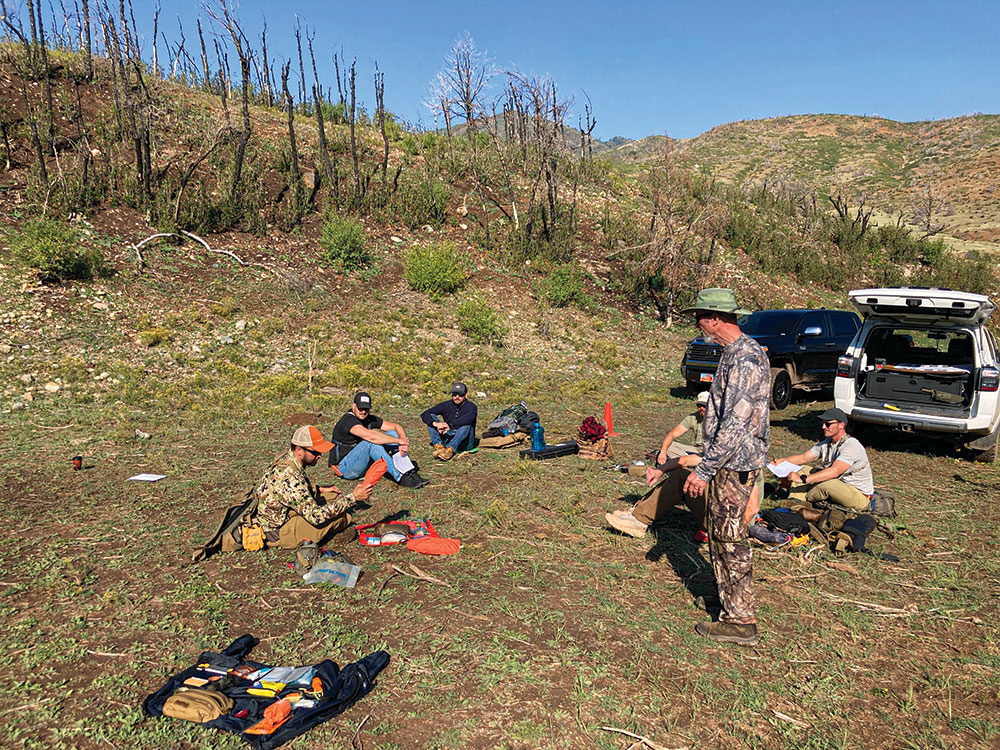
{"points": [[274, 716]]}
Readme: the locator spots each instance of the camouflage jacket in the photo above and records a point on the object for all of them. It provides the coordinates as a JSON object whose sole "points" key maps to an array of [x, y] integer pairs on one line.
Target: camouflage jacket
{"points": [[737, 428], [285, 487]]}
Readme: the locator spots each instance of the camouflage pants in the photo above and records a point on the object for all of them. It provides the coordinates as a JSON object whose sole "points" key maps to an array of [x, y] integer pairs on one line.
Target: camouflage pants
{"points": [[730, 549]]}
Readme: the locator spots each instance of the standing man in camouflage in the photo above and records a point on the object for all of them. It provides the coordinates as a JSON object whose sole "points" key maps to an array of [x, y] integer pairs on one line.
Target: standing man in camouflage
{"points": [[289, 508], [736, 437]]}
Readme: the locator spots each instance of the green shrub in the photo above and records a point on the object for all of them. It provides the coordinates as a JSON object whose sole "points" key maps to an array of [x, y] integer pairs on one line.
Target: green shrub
{"points": [[55, 249], [563, 286], [153, 336], [437, 269], [419, 202], [343, 243], [480, 322]]}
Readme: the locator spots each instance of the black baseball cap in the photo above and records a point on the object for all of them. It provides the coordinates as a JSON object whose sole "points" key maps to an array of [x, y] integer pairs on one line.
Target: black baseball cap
{"points": [[458, 389], [362, 400], [833, 415]]}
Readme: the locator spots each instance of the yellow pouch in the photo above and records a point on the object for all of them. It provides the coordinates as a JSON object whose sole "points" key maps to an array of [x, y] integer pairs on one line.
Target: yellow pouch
{"points": [[253, 537], [197, 705]]}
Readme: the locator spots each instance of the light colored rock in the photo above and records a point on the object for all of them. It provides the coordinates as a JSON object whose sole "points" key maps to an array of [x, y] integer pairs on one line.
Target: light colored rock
{"points": [[52, 387], [17, 405], [241, 325], [396, 239], [225, 339], [27, 397], [463, 226], [142, 435], [25, 378], [100, 306]]}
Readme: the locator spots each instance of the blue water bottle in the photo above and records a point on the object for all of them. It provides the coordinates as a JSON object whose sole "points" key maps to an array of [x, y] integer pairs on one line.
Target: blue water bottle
{"points": [[537, 436]]}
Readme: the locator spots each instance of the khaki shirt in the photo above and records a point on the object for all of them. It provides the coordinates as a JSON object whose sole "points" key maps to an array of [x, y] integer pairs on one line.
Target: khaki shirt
{"points": [[694, 427], [285, 488], [849, 450]]}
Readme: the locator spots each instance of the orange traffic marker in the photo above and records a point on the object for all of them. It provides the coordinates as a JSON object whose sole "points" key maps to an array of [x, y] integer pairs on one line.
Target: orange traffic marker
{"points": [[608, 422]]}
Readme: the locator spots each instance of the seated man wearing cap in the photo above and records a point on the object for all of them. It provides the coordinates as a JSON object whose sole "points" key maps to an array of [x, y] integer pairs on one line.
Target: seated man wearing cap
{"points": [[289, 508], [363, 445], [844, 475], [675, 460], [452, 423]]}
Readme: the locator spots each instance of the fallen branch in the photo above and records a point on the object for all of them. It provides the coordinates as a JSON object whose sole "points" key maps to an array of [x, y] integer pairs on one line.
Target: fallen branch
{"points": [[105, 653], [644, 740], [790, 720], [61, 427], [354, 739], [184, 233]]}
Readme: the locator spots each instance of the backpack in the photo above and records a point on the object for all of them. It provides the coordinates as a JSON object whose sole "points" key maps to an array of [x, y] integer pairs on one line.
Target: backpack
{"points": [[591, 430], [508, 419], [228, 537], [781, 519], [884, 504], [599, 450]]}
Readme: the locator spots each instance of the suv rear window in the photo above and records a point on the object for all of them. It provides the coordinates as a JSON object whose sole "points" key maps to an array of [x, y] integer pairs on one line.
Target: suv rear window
{"points": [[770, 322], [919, 346]]}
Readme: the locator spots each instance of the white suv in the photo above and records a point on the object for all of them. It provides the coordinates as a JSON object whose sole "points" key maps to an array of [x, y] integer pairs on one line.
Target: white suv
{"points": [[924, 360]]}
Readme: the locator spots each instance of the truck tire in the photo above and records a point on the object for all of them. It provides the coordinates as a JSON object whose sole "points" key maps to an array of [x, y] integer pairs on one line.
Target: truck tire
{"points": [[781, 388], [988, 454]]}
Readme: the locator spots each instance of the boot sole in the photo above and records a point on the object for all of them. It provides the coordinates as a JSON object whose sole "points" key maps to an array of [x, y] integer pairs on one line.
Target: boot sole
{"points": [[612, 522]]}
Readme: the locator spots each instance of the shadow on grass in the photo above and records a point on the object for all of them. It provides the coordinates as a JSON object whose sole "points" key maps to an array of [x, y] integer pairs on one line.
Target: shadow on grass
{"points": [[674, 534]]}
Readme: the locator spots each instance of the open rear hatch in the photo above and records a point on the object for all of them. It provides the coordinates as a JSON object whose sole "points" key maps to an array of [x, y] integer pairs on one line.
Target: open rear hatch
{"points": [[922, 369], [923, 305]]}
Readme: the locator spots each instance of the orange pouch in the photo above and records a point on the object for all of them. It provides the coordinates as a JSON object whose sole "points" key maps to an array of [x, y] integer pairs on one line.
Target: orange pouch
{"points": [[434, 545]]}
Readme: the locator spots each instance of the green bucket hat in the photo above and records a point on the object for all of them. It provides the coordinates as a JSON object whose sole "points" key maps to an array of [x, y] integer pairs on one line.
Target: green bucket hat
{"points": [[715, 300]]}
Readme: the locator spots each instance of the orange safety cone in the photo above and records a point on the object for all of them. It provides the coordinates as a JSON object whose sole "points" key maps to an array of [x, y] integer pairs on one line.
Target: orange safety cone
{"points": [[609, 423]]}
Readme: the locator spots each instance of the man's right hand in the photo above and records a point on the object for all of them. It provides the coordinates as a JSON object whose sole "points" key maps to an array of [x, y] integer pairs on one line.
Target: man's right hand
{"points": [[661, 457], [652, 476], [362, 491]]}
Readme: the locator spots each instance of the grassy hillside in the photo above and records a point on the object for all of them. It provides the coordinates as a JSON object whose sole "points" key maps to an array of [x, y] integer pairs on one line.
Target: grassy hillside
{"points": [[892, 163]]}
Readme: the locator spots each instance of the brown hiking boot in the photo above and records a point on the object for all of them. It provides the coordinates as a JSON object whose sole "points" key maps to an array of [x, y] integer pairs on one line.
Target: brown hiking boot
{"points": [[728, 632], [438, 449], [447, 454], [626, 523]]}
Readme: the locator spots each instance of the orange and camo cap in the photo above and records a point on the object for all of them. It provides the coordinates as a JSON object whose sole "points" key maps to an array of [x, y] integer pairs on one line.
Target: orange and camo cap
{"points": [[310, 437]]}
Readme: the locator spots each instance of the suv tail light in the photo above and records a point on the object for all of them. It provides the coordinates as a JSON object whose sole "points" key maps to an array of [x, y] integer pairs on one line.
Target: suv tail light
{"points": [[989, 379], [844, 365]]}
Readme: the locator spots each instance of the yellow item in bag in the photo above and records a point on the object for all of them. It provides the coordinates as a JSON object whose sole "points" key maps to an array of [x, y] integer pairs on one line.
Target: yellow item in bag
{"points": [[253, 537], [197, 705]]}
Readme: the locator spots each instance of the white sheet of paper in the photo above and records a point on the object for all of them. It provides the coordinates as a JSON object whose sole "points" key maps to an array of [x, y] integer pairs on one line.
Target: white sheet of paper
{"points": [[402, 463], [783, 469], [147, 478]]}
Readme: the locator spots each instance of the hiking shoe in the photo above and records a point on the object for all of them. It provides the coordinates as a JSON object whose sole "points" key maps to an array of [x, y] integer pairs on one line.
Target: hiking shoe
{"points": [[700, 536], [626, 523], [412, 480], [438, 450], [728, 632], [447, 454]]}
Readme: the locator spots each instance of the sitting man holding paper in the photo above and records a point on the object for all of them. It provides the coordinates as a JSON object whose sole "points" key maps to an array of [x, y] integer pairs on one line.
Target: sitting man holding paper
{"points": [[289, 508], [844, 476], [369, 446]]}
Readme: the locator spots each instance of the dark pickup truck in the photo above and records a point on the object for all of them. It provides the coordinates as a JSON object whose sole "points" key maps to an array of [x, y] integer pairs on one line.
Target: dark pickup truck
{"points": [[802, 345]]}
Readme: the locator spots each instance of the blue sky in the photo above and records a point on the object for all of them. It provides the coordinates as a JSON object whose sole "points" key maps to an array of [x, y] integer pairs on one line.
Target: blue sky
{"points": [[664, 68]]}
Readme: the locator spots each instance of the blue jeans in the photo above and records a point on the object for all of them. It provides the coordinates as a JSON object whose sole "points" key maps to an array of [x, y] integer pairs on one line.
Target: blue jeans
{"points": [[364, 454], [460, 439]]}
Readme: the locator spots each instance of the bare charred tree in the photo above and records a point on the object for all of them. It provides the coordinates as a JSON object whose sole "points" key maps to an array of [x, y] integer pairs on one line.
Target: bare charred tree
{"points": [[926, 211], [231, 25], [156, 24], [466, 74], [204, 57], [302, 68], [358, 196], [862, 216], [380, 118], [340, 87], [221, 135], [268, 92], [88, 48], [288, 101], [324, 149]]}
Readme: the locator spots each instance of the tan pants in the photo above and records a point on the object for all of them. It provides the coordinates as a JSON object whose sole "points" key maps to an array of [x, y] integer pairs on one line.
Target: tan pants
{"points": [[832, 490], [676, 450], [296, 528], [667, 494]]}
